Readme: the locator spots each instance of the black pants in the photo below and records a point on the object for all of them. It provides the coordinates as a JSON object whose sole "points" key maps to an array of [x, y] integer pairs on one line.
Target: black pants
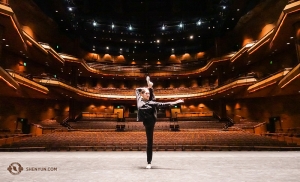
{"points": [[149, 135]]}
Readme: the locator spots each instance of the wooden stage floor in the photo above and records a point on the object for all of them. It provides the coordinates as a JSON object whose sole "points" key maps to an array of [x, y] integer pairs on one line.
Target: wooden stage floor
{"points": [[167, 166]]}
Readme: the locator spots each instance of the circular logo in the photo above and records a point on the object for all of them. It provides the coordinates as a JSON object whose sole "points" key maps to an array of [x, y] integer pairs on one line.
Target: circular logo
{"points": [[15, 168]]}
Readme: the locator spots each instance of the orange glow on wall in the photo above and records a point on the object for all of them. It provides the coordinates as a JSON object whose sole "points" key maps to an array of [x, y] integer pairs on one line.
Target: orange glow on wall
{"points": [[21, 66], [247, 40], [92, 57], [237, 106], [186, 57], [266, 29], [200, 55], [201, 105], [173, 59], [107, 57], [120, 59], [298, 33], [28, 30]]}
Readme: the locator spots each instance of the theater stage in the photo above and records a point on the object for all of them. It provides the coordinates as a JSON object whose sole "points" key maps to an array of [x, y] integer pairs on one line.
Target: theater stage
{"points": [[167, 166]]}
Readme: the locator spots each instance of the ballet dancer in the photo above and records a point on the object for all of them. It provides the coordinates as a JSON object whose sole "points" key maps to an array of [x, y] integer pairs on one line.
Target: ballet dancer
{"points": [[147, 112]]}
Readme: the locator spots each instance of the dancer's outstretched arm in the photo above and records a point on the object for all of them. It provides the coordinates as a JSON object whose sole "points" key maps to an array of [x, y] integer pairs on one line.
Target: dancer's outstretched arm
{"points": [[165, 104]]}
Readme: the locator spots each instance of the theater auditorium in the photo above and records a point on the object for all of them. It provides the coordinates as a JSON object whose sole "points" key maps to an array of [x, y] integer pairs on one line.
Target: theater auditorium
{"points": [[69, 70]]}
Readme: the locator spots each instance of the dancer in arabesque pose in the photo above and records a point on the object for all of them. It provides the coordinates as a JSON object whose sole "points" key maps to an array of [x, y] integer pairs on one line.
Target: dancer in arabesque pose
{"points": [[147, 112]]}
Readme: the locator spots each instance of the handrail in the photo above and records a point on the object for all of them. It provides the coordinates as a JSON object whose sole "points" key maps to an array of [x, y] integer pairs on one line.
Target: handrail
{"points": [[215, 115], [230, 119], [199, 93], [273, 74], [21, 79], [99, 115], [263, 123], [153, 73], [194, 114], [78, 116], [235, 79], [65, 120]]}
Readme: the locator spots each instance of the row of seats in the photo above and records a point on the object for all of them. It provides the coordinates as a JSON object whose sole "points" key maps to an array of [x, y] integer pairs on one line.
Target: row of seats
{"points": [[289, 131], [130, 92], [127, 139], [133, 126]]}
